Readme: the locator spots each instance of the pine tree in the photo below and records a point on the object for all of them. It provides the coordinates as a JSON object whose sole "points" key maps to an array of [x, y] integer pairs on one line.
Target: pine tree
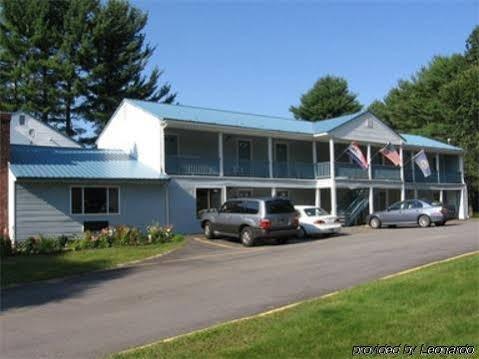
{"points": [[329, 98], [119, 58]]}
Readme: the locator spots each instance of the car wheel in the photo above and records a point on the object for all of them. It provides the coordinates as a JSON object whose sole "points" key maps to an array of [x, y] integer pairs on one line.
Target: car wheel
{"points": [[247, 237], [302, 233], [424, 221], [439, 224], [208, 230], [375, 223]]}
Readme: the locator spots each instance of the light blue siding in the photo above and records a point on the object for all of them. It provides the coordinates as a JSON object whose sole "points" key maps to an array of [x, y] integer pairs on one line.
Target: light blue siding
{"points": [[44, 208], [183, 206]]}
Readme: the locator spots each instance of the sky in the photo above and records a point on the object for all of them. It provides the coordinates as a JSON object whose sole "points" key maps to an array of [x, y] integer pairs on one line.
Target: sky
{"points": [[260, 57]]}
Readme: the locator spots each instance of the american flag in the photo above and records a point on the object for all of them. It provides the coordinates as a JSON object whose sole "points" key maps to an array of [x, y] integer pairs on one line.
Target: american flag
{"points": [[391, 154], [355, 153]]}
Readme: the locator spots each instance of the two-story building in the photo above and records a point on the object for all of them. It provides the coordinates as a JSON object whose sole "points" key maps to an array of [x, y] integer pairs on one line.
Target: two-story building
{"points": [[184, 159]]}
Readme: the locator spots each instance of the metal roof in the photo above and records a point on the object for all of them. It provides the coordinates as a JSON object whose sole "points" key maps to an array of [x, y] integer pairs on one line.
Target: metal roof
{"points": [[266, 123], [421, 141], [27, 161]]}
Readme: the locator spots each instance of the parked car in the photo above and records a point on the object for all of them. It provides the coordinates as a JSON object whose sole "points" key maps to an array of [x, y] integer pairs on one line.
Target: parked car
{"points": [[316, 221], [412, 212], [252, 218]]}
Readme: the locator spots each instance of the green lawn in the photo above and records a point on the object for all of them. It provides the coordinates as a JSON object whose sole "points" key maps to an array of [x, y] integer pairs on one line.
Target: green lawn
{"points": [[20, 269], [438, 305]]}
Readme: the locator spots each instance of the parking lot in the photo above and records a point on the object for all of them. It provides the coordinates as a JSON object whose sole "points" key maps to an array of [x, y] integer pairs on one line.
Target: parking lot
{"points": [[205, 283]]}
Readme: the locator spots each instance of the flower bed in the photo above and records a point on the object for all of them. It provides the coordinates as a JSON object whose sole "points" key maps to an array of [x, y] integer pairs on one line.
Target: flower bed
{"points": [[117, 236]]}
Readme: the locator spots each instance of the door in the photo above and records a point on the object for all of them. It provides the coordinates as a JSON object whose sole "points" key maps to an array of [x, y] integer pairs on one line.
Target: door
{"points": [[411, 211], [207, 198], [230, 217], [281, 154], [393, 213], [244, 158]]}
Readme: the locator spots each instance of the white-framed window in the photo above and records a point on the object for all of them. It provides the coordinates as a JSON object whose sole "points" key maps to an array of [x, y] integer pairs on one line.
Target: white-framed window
{"points": [[369, 122], [245, 193], [94, 200]]}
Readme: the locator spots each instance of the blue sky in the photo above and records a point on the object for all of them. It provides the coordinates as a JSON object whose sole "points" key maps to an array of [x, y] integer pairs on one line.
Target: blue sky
{"points": [[261, 56]]}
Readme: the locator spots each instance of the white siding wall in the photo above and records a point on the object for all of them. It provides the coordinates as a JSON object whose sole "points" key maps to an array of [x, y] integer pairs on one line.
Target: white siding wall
{"points": [[35, 132], [137, 133], [358, 130]]}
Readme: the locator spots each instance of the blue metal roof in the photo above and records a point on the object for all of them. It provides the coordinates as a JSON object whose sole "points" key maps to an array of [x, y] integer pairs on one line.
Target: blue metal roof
{"points": [[225, 118], [28, 161], [421, 141], [267, 123], [331, 124]]}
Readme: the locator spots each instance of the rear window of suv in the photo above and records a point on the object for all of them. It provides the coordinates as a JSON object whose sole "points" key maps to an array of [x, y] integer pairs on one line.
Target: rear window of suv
{"points": [[279, 206]]}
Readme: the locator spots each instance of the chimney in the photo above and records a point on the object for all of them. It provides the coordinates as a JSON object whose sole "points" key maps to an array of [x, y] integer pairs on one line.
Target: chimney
{"points": [[4, 159]]}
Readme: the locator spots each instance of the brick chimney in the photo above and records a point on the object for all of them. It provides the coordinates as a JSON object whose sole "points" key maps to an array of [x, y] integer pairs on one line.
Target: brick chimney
{"points": [[4, 159]]}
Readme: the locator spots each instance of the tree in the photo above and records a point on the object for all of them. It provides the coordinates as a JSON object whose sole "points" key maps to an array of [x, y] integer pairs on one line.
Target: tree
{"points": [[442, 101], [30, 33], [117, 62], [329, 98], [64, 61]]}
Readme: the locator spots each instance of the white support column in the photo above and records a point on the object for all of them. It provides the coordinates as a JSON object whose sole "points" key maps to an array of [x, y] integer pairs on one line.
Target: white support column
{"points": [[401, 173], [331, 159], [461, 168], [413, 170], [334, 208], [220, 153], [463, 205], [371, 200], [223, 194], [370, 165], [441, 196], [438, 169], [415, 192], [273, 192], [270, 156], [317, 197], [315, 154]]}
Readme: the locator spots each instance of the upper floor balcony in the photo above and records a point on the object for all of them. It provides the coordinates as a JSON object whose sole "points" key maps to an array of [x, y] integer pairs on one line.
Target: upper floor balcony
{"points": [[202, 153]]}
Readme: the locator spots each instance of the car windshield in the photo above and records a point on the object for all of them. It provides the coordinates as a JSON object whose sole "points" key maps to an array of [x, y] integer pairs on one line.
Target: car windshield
{"points": [[279, 206], [315, 211]]}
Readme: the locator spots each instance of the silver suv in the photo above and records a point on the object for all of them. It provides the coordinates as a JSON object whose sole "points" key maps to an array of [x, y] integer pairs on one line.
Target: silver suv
{"points": [[252, 218]]}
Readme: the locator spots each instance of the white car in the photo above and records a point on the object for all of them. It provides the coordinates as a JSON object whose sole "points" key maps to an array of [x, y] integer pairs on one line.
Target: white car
{"points": [[316, 221]]}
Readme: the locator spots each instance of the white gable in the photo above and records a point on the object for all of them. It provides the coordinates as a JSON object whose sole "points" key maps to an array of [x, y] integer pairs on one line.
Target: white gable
{"points": [[367, 128], [26, 130], [136, 132]]}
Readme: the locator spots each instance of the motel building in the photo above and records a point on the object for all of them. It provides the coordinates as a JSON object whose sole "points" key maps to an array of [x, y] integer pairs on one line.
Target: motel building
{"points": [[165, 163]]}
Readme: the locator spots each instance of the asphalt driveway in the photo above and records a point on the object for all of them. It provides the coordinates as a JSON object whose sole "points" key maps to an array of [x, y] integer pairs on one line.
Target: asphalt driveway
{"points": [[206, 283]]}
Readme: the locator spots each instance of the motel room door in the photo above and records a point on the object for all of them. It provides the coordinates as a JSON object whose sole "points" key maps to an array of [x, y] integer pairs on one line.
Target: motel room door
{"points": [[207, 198]]}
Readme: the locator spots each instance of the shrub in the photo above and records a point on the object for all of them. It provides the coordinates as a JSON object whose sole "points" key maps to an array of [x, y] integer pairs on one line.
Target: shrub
{"points": [[39, 245], [158, 233], [5, 247]]}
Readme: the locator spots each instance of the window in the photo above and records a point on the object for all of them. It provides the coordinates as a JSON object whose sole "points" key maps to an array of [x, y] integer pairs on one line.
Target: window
{"points": [[279, 206], [251, 207], [232, 207], [244, 150], [244, 193], [95, 200], [369, 122], [396, 206], [77, 200], [282, 194], [171, 145], [315, 211], [22, 120]]}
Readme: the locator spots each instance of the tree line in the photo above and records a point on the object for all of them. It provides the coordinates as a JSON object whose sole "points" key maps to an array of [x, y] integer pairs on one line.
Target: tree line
{"points": [[441, 101], [71, 62]]}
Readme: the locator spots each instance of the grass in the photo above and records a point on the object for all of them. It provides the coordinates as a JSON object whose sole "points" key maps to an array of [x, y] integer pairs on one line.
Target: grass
{"points": [[437, 305], [22, 269]]}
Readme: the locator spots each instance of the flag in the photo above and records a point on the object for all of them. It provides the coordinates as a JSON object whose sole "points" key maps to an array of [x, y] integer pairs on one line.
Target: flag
{"points": [[421, 160], [391, 154], [357, 156]]}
